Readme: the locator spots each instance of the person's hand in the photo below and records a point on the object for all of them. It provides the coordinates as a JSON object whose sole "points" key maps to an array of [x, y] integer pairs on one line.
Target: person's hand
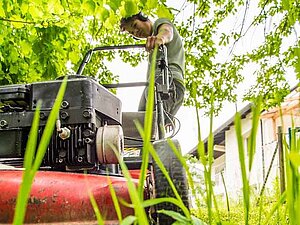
{"points": [[152, 41]]}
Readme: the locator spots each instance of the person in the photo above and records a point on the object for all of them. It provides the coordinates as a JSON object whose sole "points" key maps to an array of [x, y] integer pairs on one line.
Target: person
{"points": [[161, 32]]}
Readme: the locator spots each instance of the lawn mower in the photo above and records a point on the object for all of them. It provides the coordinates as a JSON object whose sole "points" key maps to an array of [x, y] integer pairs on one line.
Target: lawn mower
{"points": [[90, 128]]}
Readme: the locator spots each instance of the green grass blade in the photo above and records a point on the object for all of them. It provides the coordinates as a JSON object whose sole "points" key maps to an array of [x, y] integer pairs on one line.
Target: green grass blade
{"points": [[256, 110], [115, 199], [133, 192], [210, 146], [32, 140], [93, 201], [150, 99], [182, 160], [275, 207], [204, 161], [25, 187], [246, 191], [155, 201], [148, 124], [200, 146], [226, 195], [292, 164], [96, 208], [145, 161], [33, 166], [128, 220], [175, 215]]}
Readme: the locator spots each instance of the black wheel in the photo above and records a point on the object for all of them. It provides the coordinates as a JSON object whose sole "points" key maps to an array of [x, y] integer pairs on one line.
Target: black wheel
{"points": [[176, 173]]}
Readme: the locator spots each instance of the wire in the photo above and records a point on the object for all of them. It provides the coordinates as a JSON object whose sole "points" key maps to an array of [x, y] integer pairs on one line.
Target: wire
{"points": [[175, 132], [136, 139], [171, 121], [179, 126]]}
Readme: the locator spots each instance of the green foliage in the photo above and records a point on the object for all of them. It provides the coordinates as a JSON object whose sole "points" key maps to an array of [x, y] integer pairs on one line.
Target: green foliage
{"points": [[38, 38], [236, 216], [211, 70]]}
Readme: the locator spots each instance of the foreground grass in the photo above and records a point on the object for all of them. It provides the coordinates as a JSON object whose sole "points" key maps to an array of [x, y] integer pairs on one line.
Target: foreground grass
{"points": [[32, 159]]}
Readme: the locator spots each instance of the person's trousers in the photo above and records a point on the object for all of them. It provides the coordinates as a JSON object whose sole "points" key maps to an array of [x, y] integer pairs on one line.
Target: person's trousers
{"points": [[172, 104]]}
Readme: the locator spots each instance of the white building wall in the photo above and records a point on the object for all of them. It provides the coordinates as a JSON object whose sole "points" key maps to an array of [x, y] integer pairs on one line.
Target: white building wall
{"points": [[233, 169], [233, 174], [218, 168], [265, 143], [266, 161]]}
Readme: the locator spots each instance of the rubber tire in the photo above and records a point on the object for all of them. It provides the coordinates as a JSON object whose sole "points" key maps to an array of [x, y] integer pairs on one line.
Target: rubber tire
{"points": [[176, 173]]}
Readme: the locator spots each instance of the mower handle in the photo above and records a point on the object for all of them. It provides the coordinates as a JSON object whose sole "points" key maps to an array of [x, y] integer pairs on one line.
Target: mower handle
{"points": [[162, 89], [90, 52]]}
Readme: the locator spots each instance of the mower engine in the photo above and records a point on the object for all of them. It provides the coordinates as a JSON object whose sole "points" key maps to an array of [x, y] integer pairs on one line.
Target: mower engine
{"points": [[88, 130]]}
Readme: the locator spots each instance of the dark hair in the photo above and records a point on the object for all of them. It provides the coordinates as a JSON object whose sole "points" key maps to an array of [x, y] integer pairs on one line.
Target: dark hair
{"points": [[139, 16]]}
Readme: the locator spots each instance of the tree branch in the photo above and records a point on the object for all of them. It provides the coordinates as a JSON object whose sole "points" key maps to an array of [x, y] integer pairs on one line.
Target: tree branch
{"points": [[243, 23], [16, 21], [248, 28]]}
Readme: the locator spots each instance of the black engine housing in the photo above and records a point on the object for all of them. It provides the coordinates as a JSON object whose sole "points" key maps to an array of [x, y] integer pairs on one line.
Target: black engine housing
{"points": [[86, 107]]}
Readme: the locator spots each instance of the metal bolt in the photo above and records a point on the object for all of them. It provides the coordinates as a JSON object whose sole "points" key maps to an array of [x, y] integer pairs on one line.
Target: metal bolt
{"points": [[64, 115], [43, 115], [3, 123], [88, 133], [65, 104], [88, 140], [87, 113]]}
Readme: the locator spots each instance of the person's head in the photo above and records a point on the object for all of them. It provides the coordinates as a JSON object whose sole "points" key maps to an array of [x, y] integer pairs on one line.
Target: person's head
{"points": [[138, 25]]}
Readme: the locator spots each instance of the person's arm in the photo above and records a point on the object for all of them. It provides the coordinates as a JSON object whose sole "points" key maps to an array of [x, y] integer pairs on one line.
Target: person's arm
{"points": [[164, 36]]}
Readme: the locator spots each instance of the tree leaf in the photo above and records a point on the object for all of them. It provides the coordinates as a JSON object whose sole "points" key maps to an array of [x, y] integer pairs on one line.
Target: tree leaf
{"points": [[35, 11], [74, 56], [114, 4], [164, 12], [55, 7], [130, 7], [89, 7], [2, 12], [285, 4], [151, 4], [26, 47], [103, 13]]}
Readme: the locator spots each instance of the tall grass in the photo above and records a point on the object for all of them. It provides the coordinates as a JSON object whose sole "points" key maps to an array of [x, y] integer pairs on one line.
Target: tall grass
{"points": [[266, 211], [292, 165]]}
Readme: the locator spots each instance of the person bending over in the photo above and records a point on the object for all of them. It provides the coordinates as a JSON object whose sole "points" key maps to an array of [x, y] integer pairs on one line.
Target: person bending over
{"points": [[161, 32]]}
